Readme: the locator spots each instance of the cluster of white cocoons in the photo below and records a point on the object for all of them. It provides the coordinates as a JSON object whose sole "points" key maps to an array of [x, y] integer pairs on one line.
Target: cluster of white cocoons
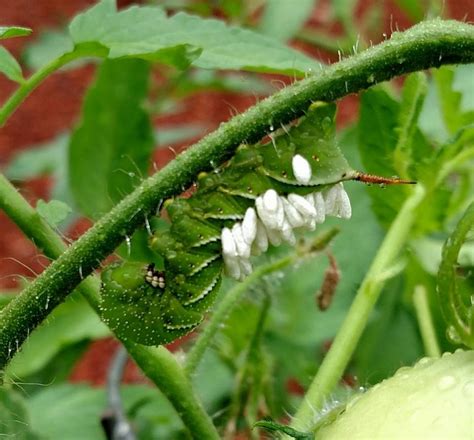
{"points": [[275, 217]]}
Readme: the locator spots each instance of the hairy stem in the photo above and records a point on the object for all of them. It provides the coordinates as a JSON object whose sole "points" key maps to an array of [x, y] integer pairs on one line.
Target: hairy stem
{"points": [[351, 330], [40, 233], [429, 44], [176, 386], [164, 371], [425, 322]]}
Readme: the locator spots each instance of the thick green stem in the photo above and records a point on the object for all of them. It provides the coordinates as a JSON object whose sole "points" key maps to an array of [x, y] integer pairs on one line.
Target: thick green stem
{"points": [[426, 45], [349, 334], [425, 322], [176, 386], [225, 306], [40, 233], [156, 364]]}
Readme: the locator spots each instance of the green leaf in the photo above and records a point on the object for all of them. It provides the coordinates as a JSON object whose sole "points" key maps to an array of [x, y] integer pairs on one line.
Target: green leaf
{"points": [[6, 297], [451, 100], [54, 211], [9, 66], [344, 9], [182, 39], [213, 381], [14, 417], [378, 138], [71, 322], [73, 412], [151, 414], [178, 134], [462, 83], [271, 426], [68, 411], [410, 144], [14, 31], [413, 8], [201, 79], [44, 159], [393, 331], [49, 46], [448, 180], [110, 150], [38, 160], [282, 19]]}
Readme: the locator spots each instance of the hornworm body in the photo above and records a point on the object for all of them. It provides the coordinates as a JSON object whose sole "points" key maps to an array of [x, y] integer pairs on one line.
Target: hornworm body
{"points": [[259, 197]]}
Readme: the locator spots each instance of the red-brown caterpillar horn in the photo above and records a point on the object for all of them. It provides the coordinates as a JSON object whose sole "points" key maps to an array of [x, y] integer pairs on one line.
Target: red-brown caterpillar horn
{"points": [[371, 178]]}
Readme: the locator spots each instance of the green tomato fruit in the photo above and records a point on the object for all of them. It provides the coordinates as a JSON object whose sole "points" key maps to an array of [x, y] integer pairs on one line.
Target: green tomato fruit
{"points": [[432, 400]]}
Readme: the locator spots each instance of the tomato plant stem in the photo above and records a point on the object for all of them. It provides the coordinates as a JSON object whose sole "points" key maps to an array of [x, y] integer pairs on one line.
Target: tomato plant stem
{"points": [[425, 322]]}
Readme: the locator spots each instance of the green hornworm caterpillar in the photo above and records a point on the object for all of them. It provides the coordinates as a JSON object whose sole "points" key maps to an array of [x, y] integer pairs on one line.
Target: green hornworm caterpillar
{"points": [[260, 196]]}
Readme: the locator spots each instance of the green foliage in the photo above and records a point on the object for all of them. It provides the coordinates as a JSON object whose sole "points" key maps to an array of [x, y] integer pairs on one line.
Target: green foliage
{"points": [[9, 66], [14, 417], [378, 126], [14, 31], [412, 154], [69, 324], [54, 211], [455, 117], [182, 40], [270, 426], [49, 46], [108, 157], [393, 331], [413, 8], [282, 19]]}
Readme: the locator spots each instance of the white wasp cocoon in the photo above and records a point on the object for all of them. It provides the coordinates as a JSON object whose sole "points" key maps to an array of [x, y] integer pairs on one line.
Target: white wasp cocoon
{"points": [[243, 248], [268, 210], [245, 268], [301, 169], [311, 224], [345, 211], [337, 202], [270, 201], [310, 199], [274, 237], [287, 234], [292, 215], [320, 207], [261, 239], [232, 266], [249, 225], [274, 218], [305, 208], [228, 243]]}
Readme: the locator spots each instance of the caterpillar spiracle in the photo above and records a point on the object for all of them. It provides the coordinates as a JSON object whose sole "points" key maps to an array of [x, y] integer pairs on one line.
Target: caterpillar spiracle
{"points": [[260, 197]]}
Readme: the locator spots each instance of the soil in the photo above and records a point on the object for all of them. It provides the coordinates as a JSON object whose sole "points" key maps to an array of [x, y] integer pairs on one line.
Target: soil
{"points": [[55, 106]]}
